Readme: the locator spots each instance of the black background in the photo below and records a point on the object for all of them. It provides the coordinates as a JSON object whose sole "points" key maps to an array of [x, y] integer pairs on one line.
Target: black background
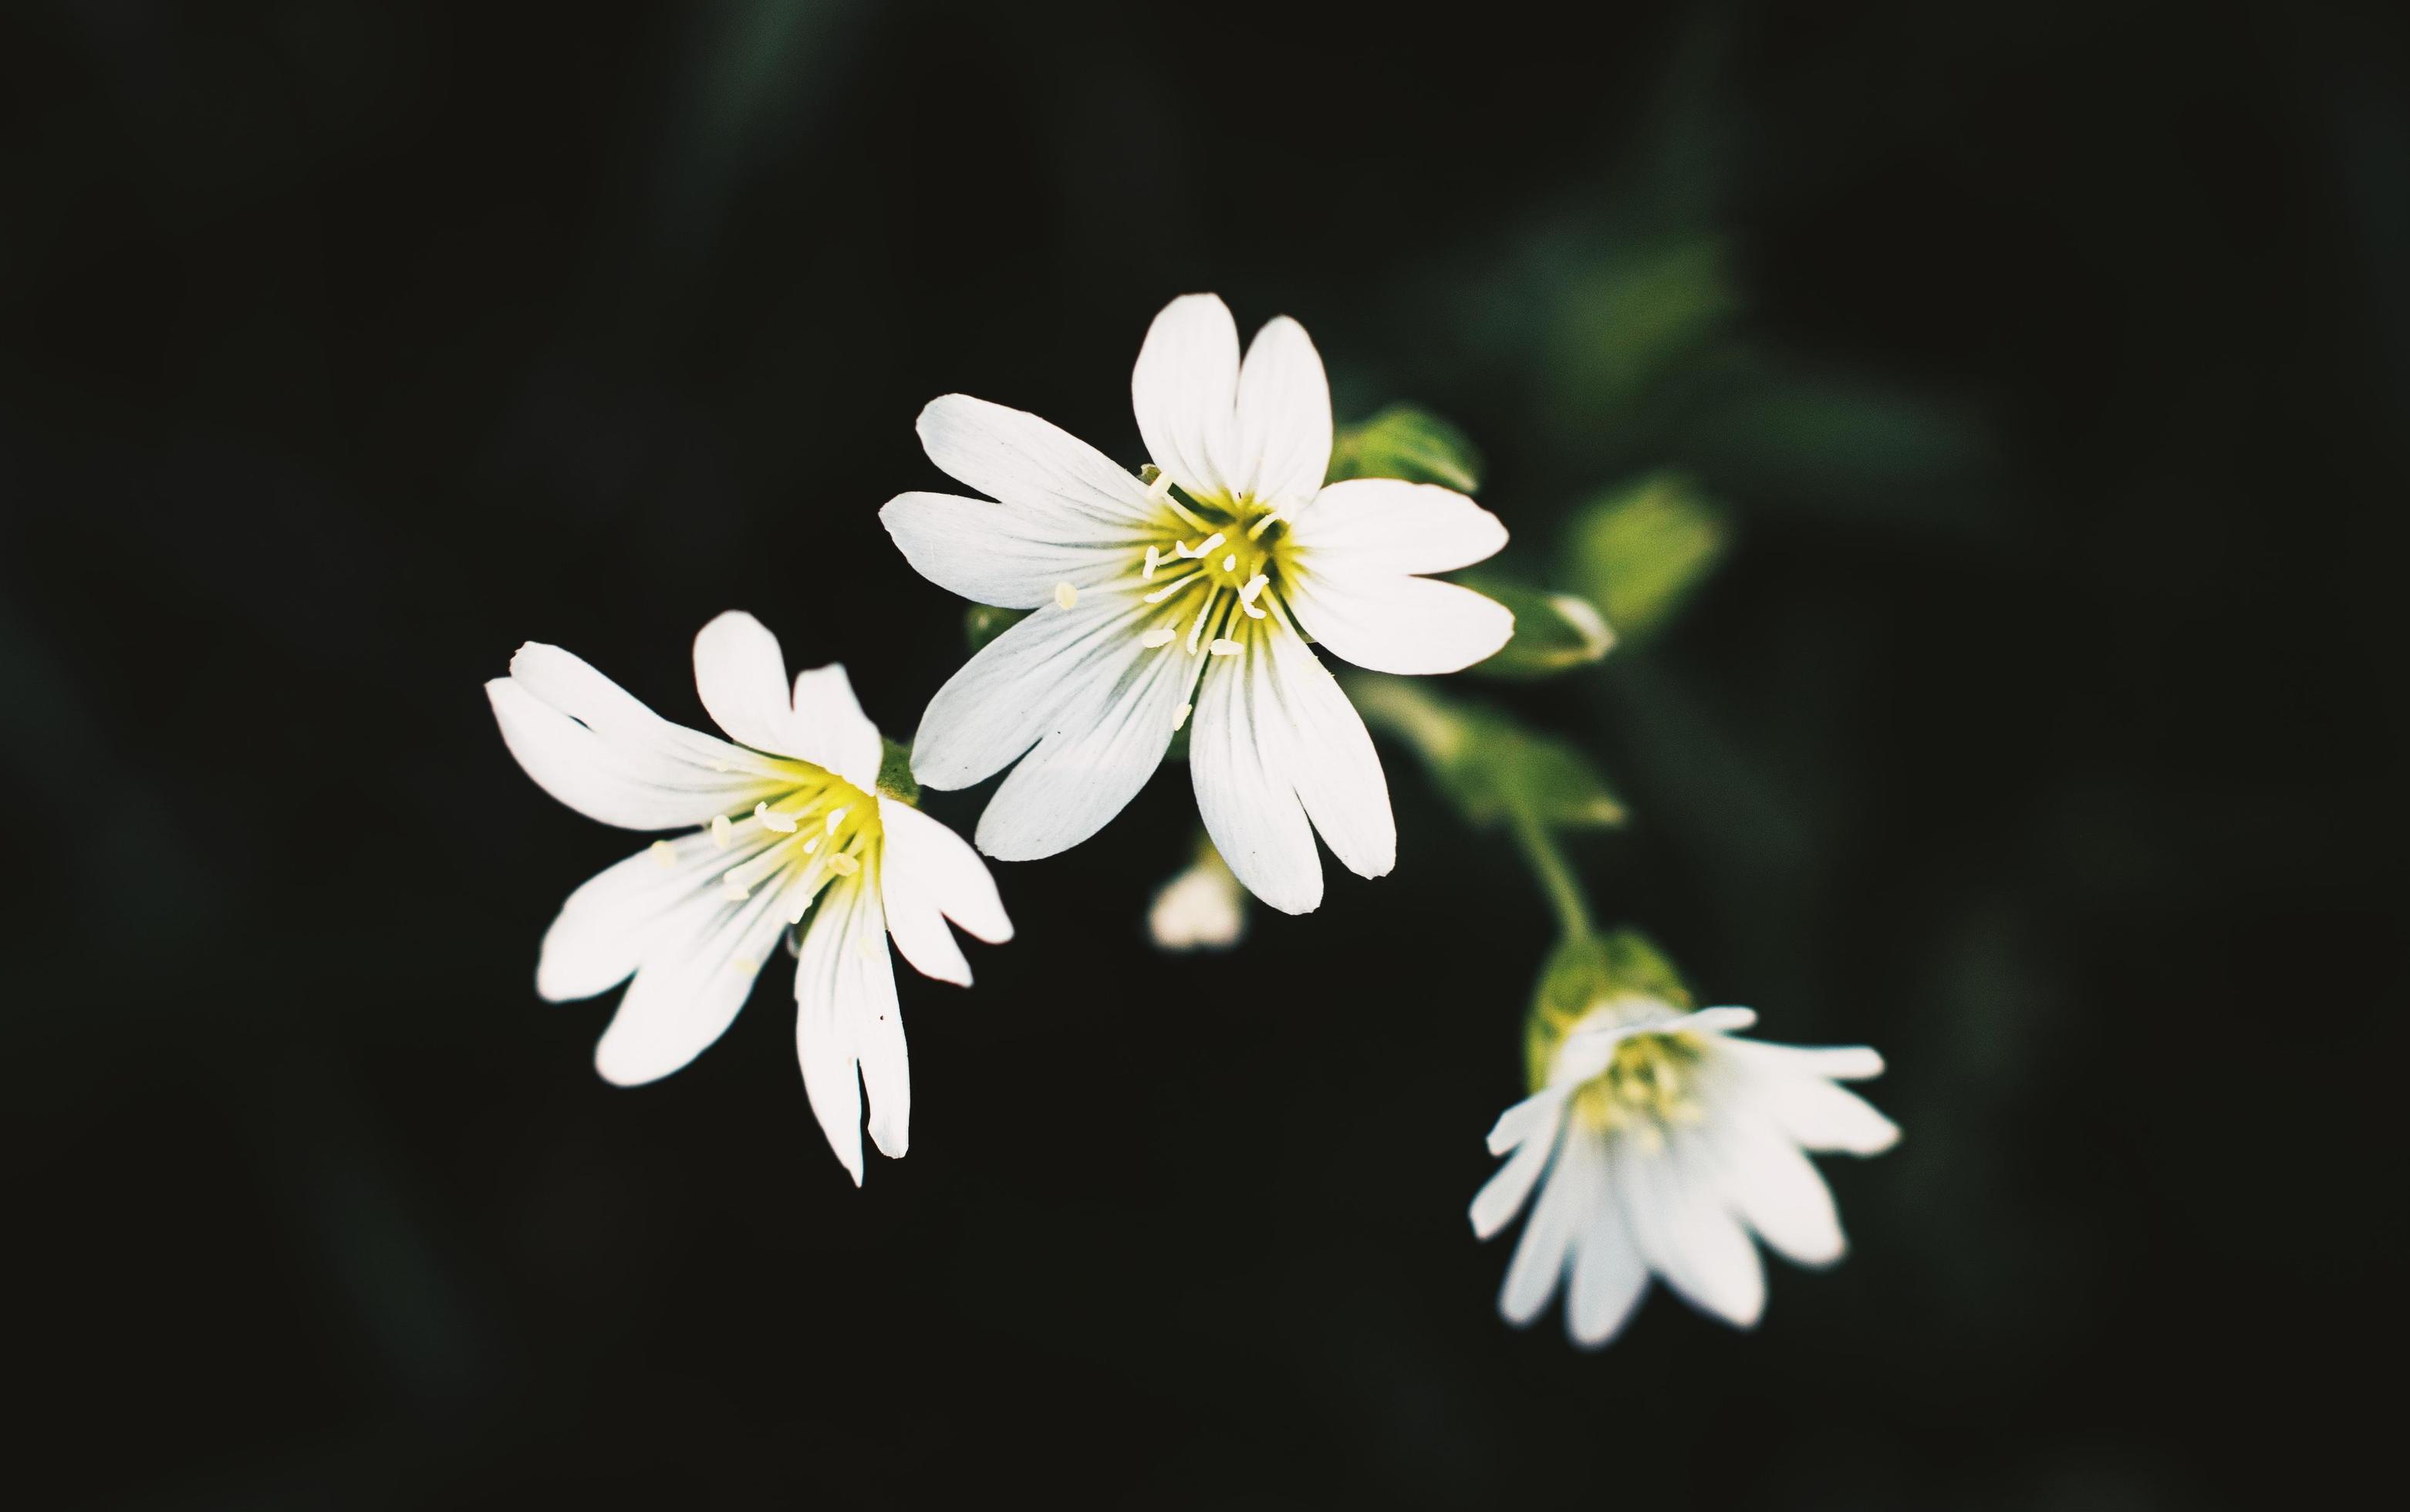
{"points": [[343, 348]]}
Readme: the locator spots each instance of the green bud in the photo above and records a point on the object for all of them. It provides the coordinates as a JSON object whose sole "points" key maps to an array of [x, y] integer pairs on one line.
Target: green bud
{"points": [[1580, 974], [1492, 766], [983, 622], [1553, 631], [895, 773], [1402, 441], [1640, 552]]}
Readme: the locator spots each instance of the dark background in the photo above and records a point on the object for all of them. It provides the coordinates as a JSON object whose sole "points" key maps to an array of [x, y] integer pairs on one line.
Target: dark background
{"points": [[2049, 359]]}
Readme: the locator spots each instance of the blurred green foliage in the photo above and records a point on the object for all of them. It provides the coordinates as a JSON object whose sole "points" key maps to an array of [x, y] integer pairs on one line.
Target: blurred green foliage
{"points": [[1553, 631], [1494, 769], [1402, 441], [984, 622], [1641, 551]]}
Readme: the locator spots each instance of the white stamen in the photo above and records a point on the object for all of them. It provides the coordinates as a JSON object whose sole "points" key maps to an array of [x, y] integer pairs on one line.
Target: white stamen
{"points": [[1226, 648], [811, 845], [1209, 543], [1230, 562], [1182, 717], [732, 890], [1162, 635], [783, 823], [1170, 588], [1262, 525], [1065, 595], [1247, 595], [1152, 557], [843, 865], [664, 854], [721, 830], [834, 816]]}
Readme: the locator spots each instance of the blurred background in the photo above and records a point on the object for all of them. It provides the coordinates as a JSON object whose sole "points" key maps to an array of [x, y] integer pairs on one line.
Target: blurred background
{"points": [[2032, 377]]}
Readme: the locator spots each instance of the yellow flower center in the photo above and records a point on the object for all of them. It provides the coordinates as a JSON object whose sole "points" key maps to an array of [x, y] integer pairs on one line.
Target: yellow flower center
{"points": [[1648, 1084], [821, 827]]}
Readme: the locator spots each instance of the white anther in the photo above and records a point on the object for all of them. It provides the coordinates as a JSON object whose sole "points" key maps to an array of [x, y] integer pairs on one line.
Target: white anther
{"points": [[664, 854], [1209, 543], [1159, 636], [1226, 648], [1247, 595], [1262, 525], [843, 865], [745, 965], [1153, 558], [1065, 595], [1197, 630], [811, 845], [783, 823], [1182, 717], [1230, 562], [721, 830], [835, 815], [734, 890]]}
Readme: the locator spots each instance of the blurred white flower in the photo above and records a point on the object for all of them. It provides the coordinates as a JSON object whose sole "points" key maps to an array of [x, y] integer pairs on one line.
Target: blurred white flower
{"points": [[791, 815], [1660, 1141], [1152, 606], [1201, 908]]}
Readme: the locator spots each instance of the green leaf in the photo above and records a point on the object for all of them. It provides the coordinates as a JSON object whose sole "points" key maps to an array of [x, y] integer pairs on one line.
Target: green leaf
{"points": [[895, 777], [982, 623], [1402, 441], [1490, 765], [1640, 552], [1553, 631]]}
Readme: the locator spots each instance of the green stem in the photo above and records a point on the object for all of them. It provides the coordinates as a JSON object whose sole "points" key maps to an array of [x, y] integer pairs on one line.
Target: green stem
{"points": [[1556, 878]]}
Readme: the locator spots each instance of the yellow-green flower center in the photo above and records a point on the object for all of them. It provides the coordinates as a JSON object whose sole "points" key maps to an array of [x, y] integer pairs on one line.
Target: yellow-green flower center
{"points": [[821, 828], [1650, 1082]]}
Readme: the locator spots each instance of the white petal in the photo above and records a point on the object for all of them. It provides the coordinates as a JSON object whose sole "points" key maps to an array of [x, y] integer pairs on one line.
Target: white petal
{"points": [[942, 865], [1538, 1112], [1774, 1188], [1547, 1244], [848, 1030], [698, 970], [1839, 1062], [1333, 766], [1185, 392], [1237, 751], [908, 888], [1385, 526], [608, 925], [995, 554], [1399, 624], [829, 729], [1283, 423], [999, 703], [1814, 1113], [1503, 1193], [742, 676], [1609, 1277], [1035, 467], [638, 780], [1094, 758], [918, 929], [1683, 1228]]}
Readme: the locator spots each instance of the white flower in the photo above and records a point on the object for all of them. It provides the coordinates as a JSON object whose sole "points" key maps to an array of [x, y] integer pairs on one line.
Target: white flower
{"points": [[1201, 908], [1151, 606], [1663, 1141], [793, 814]]}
